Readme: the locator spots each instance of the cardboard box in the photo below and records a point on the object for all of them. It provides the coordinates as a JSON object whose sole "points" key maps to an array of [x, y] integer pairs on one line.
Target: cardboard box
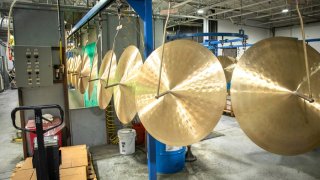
{"points": [[73, 166], [25, 174], [74, 156]]}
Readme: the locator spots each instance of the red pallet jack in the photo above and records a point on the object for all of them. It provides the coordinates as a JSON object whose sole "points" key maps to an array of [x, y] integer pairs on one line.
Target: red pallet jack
{"points": [[46, 157]]}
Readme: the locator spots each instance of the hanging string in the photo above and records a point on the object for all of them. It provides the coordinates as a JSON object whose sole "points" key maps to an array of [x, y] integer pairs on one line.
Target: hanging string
{"points": [[163, 44], [304, 48], [114, 40]]}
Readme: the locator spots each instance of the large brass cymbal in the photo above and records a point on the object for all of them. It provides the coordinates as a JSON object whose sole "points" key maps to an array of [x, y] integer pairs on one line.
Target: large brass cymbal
{"points": [[129, 66], [228, 63], [77, 70], [93, 75], [104, 95], [84, 74], [194, 92], [264, 91]]}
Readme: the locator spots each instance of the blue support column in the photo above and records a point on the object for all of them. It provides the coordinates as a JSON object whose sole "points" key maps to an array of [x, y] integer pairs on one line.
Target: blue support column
{"points": [[144, 9]]}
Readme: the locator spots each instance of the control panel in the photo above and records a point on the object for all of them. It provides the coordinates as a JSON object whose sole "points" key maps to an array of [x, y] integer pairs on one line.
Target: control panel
{"points": [[33, 66]]}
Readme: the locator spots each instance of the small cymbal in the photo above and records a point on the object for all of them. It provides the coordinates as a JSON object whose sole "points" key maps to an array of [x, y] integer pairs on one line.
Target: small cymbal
{"points": [[129, 66], [104, 95], [193, 89], [264, 94], [228, 63], [93, 75], [84, 74]]}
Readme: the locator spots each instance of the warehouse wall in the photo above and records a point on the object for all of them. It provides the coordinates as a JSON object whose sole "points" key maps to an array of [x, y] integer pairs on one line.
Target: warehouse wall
{"points": [[311, 30], [255, 34]]}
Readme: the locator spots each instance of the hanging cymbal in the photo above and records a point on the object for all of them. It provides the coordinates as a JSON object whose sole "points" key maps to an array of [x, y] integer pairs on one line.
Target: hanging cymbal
{"points": [[69, 70], [129, 66], [193, 89], [76, 71], [93, 75], [228, 63], [266, 85], [104, 95], [84, 74]]}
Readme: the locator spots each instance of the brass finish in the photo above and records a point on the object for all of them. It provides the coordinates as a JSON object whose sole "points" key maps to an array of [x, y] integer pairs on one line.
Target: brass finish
{"points": [[93, 75], [196, 86], [228, 63], [84, 74], [267, 92], [128, 68], [76, 72], [104, 95], [69, 69]]}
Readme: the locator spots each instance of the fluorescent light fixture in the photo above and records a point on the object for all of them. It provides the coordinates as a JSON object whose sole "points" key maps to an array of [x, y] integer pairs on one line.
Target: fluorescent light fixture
{"points": [[200, 11], [285, 10]]}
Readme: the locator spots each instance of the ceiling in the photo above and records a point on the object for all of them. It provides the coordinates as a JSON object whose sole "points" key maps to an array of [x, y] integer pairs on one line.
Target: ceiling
{"points": [[258, 13]]}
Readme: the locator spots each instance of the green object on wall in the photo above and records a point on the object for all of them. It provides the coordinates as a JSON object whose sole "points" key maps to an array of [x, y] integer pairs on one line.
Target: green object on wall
{"points": [[93, 101]]}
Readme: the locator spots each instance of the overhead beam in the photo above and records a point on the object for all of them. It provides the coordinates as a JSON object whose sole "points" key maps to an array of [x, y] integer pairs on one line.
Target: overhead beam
{"points": [[93, 12]]}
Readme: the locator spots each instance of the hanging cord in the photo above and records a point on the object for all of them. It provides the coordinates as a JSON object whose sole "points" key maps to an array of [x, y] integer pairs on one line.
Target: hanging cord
{"points": [[9, 34], [114, 41], [163, 43], [60, 37], [304, 48]]}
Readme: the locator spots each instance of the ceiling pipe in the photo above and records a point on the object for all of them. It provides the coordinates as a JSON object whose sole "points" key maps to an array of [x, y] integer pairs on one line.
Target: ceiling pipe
{"points": [[284, 20], [241, 7], [253, 12], [267, 15]]}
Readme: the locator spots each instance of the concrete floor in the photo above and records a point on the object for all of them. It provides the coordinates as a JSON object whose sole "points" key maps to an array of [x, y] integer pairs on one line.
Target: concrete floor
{"points": [[232, 156], [10, 153]]}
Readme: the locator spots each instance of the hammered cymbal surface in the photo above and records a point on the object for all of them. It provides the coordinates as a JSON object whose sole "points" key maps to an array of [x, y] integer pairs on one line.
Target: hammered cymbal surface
{"points": [[104, 95], [128, 68], [228, 63], [93, 75], [196, 82], [84, 74], [264, 100]]}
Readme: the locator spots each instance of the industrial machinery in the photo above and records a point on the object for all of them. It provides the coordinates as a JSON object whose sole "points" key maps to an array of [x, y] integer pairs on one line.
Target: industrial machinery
{"points": [[46, 158]]}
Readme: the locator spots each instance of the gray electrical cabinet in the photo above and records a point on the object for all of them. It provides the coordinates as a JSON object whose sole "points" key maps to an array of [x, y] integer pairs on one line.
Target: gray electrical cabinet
{"points": [[33, 66]]}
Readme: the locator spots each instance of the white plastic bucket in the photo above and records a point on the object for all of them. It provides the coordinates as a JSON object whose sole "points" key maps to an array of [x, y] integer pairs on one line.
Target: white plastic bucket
{"points": [[127, 139]]}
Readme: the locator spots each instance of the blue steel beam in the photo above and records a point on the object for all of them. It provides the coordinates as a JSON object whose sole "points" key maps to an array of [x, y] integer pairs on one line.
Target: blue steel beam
{"points": [[313, 40], [188, 35], [102, 4], [144, 9]]}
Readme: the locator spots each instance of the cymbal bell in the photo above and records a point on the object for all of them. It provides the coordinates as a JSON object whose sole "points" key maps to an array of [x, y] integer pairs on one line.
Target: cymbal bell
{"points": [[128, 67], [105, 94], [93, 75], [266, 87], [228, 63], [84, 74], [192, 93]]}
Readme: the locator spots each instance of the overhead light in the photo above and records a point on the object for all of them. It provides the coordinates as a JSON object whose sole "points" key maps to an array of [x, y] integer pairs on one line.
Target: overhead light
{"points": [[285, 10], [200, 11]]}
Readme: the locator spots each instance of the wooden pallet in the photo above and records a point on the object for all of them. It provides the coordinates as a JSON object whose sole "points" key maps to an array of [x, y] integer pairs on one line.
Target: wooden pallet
{"points": [[228, 108], [91, 174]]}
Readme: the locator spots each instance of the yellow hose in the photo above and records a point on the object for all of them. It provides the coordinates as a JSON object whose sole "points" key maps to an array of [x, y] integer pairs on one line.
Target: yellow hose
{"points": [[111, 126]]}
